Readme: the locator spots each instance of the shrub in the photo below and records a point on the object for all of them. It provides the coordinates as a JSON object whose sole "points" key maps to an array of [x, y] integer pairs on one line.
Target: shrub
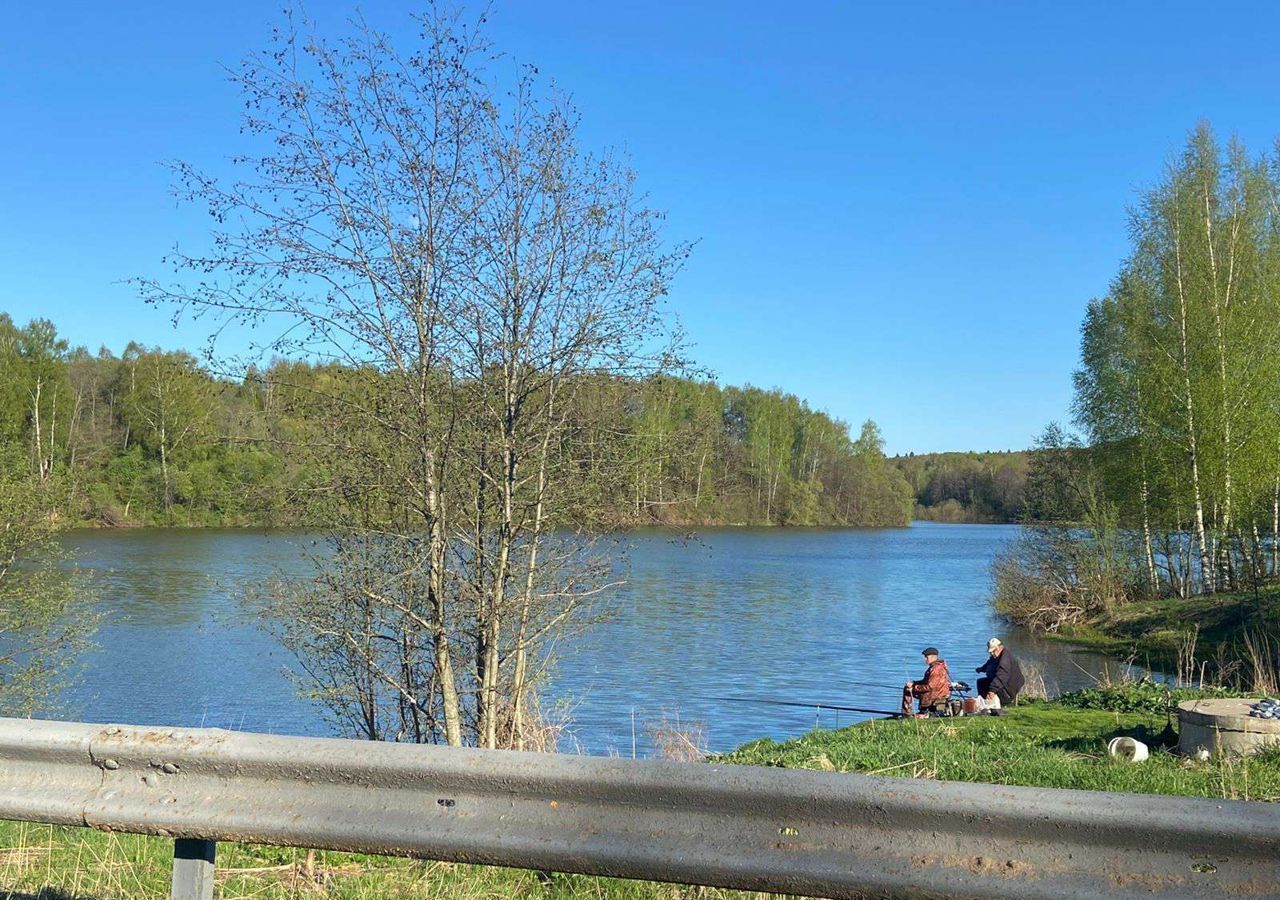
{"points": [[1142, 696], [1056, 575]]}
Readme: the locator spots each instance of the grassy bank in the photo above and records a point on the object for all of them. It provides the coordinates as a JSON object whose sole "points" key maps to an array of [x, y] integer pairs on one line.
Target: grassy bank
{"points": [[1048, 744], [1060, 744], [1156, 633]]}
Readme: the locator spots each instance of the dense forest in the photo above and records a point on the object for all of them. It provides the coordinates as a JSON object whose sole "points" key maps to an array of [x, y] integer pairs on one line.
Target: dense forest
{"points": [[152, 437], [967, 487], [1173, 486]]}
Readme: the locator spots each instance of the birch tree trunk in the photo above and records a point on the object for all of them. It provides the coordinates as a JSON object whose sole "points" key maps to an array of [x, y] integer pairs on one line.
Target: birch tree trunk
{"points": [[1219, 305], [1206, 563]]}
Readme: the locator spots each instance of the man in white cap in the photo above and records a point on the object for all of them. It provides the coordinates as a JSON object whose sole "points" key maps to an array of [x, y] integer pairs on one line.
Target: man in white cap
{"points": [[1001, 673]]}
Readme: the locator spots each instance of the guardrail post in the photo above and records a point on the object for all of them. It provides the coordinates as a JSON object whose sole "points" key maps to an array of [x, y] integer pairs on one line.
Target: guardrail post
{"points": [[193, 869]]}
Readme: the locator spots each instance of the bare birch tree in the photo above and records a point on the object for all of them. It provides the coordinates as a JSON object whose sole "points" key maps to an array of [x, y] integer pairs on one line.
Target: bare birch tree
{"points": [[453, 247]]}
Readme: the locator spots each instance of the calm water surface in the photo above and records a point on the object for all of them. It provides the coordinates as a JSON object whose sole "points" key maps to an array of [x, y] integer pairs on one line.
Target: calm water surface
{"points": [[809, 615]]}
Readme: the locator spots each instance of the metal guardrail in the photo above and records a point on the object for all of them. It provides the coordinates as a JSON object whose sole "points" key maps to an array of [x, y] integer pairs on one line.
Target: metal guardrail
{"points": [[768, 829]]}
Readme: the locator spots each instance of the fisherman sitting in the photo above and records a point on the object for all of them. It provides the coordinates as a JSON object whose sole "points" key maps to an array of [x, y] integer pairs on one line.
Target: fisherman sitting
{"points": [[933, 690], [1001, 674]]}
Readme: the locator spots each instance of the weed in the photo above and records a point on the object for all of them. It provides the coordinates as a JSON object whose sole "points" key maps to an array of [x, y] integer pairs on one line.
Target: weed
{"points": [[1141, 696]]}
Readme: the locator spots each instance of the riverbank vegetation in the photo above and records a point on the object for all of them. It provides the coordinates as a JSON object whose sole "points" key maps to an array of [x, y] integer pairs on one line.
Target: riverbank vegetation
{"points": [[154, 437], [46, 610], [966, 487], [1173, 489], [1219, 639], [1058, 744]]}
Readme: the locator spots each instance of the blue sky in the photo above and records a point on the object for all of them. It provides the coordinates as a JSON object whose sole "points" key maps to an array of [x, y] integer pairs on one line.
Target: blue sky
{"points": [[901, 209]]}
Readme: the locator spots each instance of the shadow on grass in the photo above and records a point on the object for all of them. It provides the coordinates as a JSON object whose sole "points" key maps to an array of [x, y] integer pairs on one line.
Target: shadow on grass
{"points": [[1095, 744], [45, 893], [1220, 617]]}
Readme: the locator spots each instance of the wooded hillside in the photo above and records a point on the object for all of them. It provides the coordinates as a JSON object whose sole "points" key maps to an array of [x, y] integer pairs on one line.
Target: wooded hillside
{"points": [[152, 437], [967, 487]]}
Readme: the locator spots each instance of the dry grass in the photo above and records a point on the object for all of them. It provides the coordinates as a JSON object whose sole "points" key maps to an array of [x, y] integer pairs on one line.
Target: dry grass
{"points": [[1187, 670], [676, 740], [1034, 687], [43, 862], [1252, 664], [1262, 655], [544, 728]]}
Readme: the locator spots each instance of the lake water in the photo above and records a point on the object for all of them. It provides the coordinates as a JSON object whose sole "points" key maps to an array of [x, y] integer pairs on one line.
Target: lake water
{"points": [[803, 615]]}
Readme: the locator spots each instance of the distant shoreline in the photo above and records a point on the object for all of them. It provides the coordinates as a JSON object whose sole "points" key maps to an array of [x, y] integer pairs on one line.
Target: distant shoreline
{"points": [[653, 526]]}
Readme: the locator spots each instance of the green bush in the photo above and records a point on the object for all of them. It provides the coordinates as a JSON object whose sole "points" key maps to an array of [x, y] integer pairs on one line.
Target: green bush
{"points": [[1143, 696]]}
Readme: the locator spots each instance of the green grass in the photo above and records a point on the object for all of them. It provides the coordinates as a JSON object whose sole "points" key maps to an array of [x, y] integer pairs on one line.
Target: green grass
{"points": [[1044, 744], [53, 863], [1058, 744], [1151, 631]]}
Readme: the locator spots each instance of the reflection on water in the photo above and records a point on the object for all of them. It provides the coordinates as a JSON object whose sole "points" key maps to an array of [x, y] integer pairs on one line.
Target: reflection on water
{"points": [[810, 615]]}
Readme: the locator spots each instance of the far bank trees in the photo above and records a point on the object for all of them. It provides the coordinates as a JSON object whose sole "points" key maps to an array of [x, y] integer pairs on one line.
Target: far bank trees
{"points": [[687, 458]]}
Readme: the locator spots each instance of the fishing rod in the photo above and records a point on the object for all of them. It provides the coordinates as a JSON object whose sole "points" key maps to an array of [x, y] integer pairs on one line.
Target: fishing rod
{"points": [[796, 703], [874, 684]]}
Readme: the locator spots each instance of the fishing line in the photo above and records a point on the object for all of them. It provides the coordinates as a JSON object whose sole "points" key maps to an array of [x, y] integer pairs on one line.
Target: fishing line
{"points": [[794, 703], [874, 684]]}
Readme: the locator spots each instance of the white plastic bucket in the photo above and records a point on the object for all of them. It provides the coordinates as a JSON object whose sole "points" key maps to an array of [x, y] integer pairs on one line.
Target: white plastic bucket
{"points": [[1127, 749]]}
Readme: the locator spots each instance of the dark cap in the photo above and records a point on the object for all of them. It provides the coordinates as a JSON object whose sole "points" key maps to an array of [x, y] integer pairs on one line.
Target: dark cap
{"points": [[929, 651]]}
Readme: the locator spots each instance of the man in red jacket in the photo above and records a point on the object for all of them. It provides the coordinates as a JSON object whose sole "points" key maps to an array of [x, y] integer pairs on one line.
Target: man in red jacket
{"points": [[931, 690]]}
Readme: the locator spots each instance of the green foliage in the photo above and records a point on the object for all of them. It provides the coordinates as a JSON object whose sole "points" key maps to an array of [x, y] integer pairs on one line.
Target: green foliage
{"points": [[45, 617], [1142, 696], [1174, 488], [158, 440], [966, 487], [1179, 367]]}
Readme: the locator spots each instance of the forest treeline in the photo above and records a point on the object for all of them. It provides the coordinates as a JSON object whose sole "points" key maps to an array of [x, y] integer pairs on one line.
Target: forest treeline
{"points": [[967, 487], [1173, 485], [152, 437]]}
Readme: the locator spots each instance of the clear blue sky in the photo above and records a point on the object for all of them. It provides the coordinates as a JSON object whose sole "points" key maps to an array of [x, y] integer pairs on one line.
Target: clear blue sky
{"points": [[902, 208]]}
